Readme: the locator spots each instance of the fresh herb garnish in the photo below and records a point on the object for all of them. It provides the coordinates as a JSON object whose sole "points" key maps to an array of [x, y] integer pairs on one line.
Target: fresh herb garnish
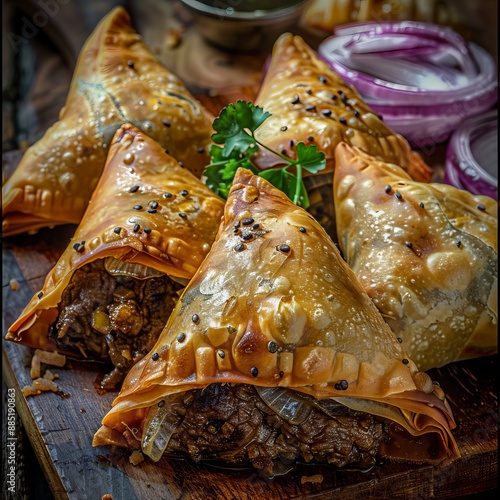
{"points": [[234, 129]]}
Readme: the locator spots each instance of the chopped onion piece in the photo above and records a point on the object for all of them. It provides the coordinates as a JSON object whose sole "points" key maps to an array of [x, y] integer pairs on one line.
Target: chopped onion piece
{"points": [[422, 78], [119, 268], [290, 405]]}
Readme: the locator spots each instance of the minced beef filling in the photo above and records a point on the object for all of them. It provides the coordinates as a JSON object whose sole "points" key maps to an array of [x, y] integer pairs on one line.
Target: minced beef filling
{"points": [[137, 310], [232, 424]]}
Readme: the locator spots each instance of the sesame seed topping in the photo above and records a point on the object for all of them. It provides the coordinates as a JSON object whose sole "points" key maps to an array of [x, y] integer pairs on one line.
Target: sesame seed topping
{"points": [[239, 247], [302, 229], [137, 207], [342, 385], [134, 189], [283, 128], [155, 356], [221, 354], [248, 221], [167, 195], [254, 371], [117, 230], [184, 192], [195, 318], [181, 337], [284, 248], [166, 122], [481, 207], [147, 230], [272, 346], [387, 188], [405, 361], [136, 228]]}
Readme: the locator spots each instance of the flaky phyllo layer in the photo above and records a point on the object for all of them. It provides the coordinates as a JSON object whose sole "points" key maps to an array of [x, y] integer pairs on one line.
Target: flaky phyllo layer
{"points": [[117, 81], [426, 254], [274, 306], [149, 225]]}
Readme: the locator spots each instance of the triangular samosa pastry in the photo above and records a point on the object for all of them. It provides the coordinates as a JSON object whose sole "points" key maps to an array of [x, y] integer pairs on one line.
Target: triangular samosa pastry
{"points": [[148, 226], [117, 80], [274, 351], [311, 103], [425, 253]]}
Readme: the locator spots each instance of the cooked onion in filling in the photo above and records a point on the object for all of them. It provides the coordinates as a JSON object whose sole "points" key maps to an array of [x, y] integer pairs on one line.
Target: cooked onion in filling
{"points": [[115, 318], [232, 424]]}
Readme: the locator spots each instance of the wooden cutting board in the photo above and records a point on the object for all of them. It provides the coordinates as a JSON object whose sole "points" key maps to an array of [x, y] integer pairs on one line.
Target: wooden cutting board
{"points": [[60, 426]]}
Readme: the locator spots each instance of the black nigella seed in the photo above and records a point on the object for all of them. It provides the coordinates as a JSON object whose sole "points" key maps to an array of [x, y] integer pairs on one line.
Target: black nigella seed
{"points": [[380, 117], [356, 113], [327, 112], [247, 236], [195, 318], [284, 128], [40, 295], [309, 91], [311, 107], [387, 188], [405, 361], [221, 354], [184, 192], [481, 207], [295, 99], [283, 152], [291, 143], [398, 195], [137, 207], [399, 339], [183, 215], [181, 337], [421, 205], [343, 120], [408, 244], [236, 230], [237, 225], [459, 244], [180, 164], [284, 248], [342, 385], [334, 97], [322, 79], [155, 356], [310, 138], [79, 247], [153, 204], [167, 195], [435, 382], [130, 64], [161, 403], [254, 371], [147, 230], [117, 230], [302, 229], [201, 149], [272, 346], [166, 122], [152, 211], [256, 226], [167, 151], [133, 189], [136, 228], [282, 373], [248, 221], [239, 247], [344, 99]]}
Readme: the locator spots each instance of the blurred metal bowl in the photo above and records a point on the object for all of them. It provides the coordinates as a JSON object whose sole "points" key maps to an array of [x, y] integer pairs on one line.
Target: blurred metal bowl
{"points": [[244, 25]]}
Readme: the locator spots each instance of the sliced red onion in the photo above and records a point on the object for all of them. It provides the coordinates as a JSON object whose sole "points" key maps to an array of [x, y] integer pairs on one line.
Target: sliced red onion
{"points": [[422, 78], [472, 155]]}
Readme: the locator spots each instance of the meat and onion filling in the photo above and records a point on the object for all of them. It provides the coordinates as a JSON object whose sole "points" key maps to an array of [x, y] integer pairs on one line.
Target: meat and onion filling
{"points": [[234, 425], [113, 318]]}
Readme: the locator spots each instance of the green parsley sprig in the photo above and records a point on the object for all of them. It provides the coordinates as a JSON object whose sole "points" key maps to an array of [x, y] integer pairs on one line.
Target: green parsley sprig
{"points": [[235, 129]]}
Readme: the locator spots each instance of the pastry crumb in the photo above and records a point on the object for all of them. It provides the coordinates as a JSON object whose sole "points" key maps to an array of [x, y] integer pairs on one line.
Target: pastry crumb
{"points": [[136, 457], [107, 496], [14, 284], [318, 478]]}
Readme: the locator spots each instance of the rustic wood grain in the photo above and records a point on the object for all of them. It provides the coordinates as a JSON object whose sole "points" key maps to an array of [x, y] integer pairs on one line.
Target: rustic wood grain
{"points": [[60, 428]]}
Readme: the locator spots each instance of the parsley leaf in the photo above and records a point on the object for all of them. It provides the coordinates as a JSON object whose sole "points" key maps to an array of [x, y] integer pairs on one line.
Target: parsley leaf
{"points": [[234, 129]]}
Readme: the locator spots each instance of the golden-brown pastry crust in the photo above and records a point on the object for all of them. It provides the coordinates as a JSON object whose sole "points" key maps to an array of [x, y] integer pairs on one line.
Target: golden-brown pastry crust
{"points": [[274, 304], [117, 80], [146, 209], [311, 103], [425, 253]]}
